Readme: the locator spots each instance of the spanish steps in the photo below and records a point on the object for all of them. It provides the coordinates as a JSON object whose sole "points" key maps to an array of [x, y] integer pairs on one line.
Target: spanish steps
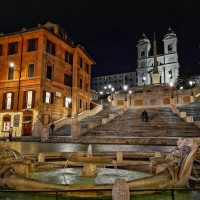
{"points": [[162, 123]]}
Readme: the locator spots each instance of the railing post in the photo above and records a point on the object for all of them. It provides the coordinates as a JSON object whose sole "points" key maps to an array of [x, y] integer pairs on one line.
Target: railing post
{"points": [[56, 195], [172, 194]]}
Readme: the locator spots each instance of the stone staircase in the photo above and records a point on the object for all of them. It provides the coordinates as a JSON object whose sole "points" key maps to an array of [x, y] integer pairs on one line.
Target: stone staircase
{"points": [[97, 119], [162, 123], [191, 109]]}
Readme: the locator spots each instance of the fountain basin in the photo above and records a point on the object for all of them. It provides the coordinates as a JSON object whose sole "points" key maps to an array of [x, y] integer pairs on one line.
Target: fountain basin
{"points": [[73, 176]]}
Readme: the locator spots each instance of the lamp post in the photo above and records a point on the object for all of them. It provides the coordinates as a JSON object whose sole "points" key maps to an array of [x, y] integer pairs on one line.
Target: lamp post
{"points": [[130, 92], [12, 65], [171, 85], [105, 89], [125, 88], [191, 83], [112, 90]]}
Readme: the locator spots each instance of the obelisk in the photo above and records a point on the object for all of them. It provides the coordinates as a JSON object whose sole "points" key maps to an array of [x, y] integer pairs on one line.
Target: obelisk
{"points": [[155, 75]]}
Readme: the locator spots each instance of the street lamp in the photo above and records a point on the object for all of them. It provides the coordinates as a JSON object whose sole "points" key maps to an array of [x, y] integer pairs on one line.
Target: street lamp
{"points": [[130, 92], [191, 83], [112, 90], [144, 79], [101, 93], [125, 88], [171, 85], [105, 89]]}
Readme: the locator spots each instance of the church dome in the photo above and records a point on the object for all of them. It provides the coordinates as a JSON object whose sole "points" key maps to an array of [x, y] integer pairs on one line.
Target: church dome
{"points": [[143, 40], [170, 34]]}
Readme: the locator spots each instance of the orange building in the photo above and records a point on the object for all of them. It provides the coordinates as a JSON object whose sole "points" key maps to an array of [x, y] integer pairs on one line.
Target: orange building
{"points": [[43, 76]]}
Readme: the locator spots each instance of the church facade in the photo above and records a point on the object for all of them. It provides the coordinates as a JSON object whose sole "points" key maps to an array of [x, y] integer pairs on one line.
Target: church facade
{"points": [[167, 63]]}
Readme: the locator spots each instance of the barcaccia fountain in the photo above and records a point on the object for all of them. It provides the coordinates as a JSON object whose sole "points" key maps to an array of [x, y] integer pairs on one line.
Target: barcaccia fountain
{"points": [[173, 171]]}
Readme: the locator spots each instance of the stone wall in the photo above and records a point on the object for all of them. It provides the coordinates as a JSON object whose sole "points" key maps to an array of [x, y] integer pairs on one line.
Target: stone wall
{"points": [[153, 96]]}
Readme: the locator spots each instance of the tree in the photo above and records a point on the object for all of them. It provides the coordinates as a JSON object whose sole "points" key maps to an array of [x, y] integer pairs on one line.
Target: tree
{"points": [[183, 77]]}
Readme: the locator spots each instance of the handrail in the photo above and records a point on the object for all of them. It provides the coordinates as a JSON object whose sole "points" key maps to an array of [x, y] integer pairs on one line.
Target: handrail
{"points": [[57, 192]]}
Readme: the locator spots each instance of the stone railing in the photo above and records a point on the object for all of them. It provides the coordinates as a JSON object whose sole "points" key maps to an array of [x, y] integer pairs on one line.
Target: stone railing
{"points": [[181, 114], [65, 120], [198, 97], [59, 123], [92, 112]]}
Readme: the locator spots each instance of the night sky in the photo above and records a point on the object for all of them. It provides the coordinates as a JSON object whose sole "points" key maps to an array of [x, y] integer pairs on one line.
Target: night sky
{"points": [[110, 29]]}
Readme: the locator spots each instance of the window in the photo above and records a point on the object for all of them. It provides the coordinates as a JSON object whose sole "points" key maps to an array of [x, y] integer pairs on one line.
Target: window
{"points": [[8, 101], [32, 44], [67, 80], [86, 105], [170, 48], [81, 84], [31, 69], [87, 68], [80, 103], [50, 47], [80, 62], [69, 58], [6, 123], [12, 48], [86, 87], [1, 49], [49, 72], [67, 101], [142, 53], [48, 97], [10, 73], [29, 99]]}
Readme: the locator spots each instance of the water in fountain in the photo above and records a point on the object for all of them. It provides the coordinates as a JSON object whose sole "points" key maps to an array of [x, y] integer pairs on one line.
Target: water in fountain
{"points": [[66, 164], [115, 166], [74, 176]]}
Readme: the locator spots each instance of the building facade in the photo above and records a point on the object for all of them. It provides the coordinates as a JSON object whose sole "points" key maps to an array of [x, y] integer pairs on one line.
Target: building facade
{"points": [[43, 76], [167, 63], [116, 81]]}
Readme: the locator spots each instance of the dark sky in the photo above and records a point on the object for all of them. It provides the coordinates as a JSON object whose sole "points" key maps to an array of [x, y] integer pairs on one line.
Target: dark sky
{"points": [[110, 29]]}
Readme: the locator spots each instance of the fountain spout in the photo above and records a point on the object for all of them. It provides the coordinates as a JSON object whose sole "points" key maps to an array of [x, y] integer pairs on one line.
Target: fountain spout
{"points": [[89, 151]]}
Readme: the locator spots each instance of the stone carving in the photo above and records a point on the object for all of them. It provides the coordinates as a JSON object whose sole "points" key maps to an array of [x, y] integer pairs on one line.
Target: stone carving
{"points": [[120, 190]]}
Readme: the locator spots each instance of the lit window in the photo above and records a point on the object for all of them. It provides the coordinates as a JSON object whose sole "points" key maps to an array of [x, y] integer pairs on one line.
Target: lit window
{"points": [[67, 101], [48, 97], [8, 101], [29, 99]]}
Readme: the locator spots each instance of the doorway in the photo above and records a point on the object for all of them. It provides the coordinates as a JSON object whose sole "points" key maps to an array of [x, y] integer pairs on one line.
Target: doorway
{"points": [[27, 126]]}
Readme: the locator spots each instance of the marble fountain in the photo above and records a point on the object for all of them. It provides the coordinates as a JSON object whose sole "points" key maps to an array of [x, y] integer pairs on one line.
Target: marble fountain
{"points": [[25, 173]]}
